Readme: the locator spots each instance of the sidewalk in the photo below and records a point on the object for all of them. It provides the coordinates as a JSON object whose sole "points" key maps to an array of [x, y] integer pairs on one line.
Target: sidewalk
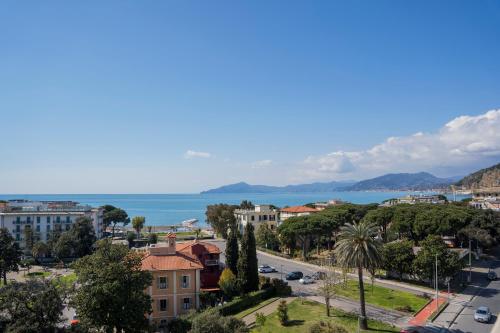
{"points": [[457, 303], [266, 310], [421, 318]]}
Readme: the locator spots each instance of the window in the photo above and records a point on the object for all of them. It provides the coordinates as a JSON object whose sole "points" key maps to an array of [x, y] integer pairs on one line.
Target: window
{"points": [[67, 219], [18, 228], [67, 227], [162, 282], [18, 220], [163, 323], [186, 304], [265, 217], [38, 219], [48, 219], [162, 305], [38, 228], [18, 237], [58, 219], [48, 227], [252, 218], [185, 281], [28, 220]]}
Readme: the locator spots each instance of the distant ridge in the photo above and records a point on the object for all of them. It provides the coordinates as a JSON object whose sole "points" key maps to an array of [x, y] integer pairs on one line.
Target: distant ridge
{"points": [[390, 182], [488, 177]]}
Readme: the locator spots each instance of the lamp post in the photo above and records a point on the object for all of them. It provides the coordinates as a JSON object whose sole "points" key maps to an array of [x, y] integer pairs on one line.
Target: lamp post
{"points": [[437, 290], [281, 272], [469, 278]]}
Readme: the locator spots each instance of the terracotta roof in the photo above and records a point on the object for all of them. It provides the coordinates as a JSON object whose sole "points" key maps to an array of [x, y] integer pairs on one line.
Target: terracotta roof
{"points": [[209, 247], [173, 262], [299, 209], [171, 235]]}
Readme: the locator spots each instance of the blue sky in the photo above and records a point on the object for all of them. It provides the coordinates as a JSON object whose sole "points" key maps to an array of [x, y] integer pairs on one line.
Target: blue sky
{"points": [[110, 96]]}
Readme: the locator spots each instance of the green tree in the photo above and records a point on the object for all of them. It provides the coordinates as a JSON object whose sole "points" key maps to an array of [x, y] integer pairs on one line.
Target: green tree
{"points": [[114, 216], [266, 237], [111, 296], [83, 235], [248, 275], [232, 250], [28, 263], [10, 254], [246, 204], [29, 238], [152, 238], [32, 307], [64, 246], [212, 321], [382, 218], [221, 217], [138, 223], [283, 313], [357, 248], [432, 248], [40, 250], [300, 228], [131, 237], [228, 283], [260, 319], [398, 257]]}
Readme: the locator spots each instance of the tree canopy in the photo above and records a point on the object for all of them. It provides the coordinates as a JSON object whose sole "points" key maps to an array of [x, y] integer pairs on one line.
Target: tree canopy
{"points": [[10, 254]]}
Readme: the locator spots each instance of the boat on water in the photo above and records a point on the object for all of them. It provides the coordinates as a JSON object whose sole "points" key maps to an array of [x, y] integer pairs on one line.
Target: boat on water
{"points": [[189, 223]]}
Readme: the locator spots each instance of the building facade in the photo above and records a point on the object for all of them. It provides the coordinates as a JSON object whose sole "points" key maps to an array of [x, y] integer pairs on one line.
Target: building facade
{"points": [[45, 217], [287, 212], [257, 216], [176, 281], [486, 198]]}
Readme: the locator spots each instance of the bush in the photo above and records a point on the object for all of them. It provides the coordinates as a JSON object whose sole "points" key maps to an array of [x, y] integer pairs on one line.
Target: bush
{"points": [[405, 308], [179, 325], [328, 327], [228, 283], [241, 303], [260, 319], [283, 313], [212, 322], [316, 328], [264, 282], [281, 288]]}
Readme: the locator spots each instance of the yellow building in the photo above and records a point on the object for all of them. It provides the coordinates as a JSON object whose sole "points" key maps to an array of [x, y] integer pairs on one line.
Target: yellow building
{"points": [[176, 281]]}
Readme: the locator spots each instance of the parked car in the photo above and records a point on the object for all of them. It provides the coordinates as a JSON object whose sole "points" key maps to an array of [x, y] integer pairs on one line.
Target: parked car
{"points": [[492, 275], [408, 330], [294, 275], [319, 275], [482, 314], [266, 269], [306, 280]]}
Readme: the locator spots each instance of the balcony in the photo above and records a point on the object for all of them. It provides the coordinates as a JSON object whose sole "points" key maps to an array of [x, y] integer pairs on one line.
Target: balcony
{"points": [[211, 262]]}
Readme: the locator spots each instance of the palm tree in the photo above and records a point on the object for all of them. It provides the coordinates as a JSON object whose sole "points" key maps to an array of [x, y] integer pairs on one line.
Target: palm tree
{"points": [[357, 248]]}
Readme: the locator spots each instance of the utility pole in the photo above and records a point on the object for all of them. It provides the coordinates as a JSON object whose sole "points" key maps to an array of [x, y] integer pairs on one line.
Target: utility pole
{"points": [[281, 273], [437, 289], [469, 279]]}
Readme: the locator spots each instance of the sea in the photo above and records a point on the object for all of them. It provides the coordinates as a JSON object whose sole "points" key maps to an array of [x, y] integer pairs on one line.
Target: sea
{"points": [[172, 209]]}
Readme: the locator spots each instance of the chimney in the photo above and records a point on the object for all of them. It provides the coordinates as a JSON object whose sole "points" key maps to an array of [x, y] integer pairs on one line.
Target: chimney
{"points": [[164, 249]]}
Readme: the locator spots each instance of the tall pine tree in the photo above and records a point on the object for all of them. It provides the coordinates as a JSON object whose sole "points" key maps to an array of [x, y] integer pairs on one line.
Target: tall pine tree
{"points": [[232, 250], [248, 276]]}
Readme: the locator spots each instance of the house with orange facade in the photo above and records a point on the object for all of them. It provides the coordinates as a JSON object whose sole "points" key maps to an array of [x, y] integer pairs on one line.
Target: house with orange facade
{"points": [[180, 272]]}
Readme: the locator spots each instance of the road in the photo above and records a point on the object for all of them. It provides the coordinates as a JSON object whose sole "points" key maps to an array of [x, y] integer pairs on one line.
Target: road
{"points": [[488, 296]]}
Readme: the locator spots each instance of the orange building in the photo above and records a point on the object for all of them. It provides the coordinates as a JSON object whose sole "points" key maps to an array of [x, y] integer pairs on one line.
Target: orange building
{"points": [[176, 280]]}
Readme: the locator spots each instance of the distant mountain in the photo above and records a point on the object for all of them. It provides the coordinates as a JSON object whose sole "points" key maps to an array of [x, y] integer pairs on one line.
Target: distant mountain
{"points": [[488, 177], [243, 187], [402, 181], [390, 182]]}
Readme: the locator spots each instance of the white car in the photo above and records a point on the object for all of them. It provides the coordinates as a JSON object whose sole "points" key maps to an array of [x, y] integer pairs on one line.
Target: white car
{"points": [[266, 269], [482, 314], [306, 280]]}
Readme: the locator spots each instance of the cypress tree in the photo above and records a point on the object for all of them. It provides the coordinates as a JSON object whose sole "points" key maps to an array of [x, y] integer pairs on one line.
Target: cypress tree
{"points": [[232, 251], [248, 276]]}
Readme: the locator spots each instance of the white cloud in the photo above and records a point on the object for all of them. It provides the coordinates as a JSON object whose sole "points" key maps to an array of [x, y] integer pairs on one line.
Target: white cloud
{"points": [[261, 164], [193, 154], [463, 143]]}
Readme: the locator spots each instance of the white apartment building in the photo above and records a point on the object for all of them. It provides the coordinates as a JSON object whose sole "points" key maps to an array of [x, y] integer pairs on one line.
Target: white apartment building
{"points": [[294, 211], [260, 214], [44, 217]]}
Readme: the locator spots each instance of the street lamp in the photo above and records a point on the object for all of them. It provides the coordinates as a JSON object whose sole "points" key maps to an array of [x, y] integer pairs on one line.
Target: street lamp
{"points": [[281, 272], [437, 284]]}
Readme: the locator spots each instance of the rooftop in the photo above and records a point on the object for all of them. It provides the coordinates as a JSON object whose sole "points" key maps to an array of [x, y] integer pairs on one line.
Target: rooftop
{"points": [[299, 209]]}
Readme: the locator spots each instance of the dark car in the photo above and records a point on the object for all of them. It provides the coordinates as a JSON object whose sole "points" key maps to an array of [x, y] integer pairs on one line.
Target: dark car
{"points": [[492, 275], [294, 275]]}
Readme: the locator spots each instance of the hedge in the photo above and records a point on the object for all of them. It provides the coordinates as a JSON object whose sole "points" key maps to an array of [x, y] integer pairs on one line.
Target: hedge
{"points": [[244, 302]]}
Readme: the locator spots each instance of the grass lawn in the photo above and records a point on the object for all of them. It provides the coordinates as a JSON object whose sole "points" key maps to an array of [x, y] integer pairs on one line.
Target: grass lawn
{"points": [[383, 297], [38, 274], [256, 307], [66, 280], [303, 314]]}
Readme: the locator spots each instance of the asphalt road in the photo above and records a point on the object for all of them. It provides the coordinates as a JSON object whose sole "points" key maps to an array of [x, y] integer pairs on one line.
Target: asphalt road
{"points": [[489, 296]]}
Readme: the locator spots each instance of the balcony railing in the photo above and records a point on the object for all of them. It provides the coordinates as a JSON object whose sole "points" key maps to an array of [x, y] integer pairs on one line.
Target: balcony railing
{"points": [[211, 262]]}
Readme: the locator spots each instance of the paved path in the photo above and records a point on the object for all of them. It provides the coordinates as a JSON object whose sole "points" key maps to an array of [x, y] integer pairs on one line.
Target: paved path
{"points": [[421, 318], [266, 310]]}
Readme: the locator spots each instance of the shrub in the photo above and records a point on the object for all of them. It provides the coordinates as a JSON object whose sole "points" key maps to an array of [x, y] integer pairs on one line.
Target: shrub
{"points": [[179, 325], [241, 303], [404, 308], [228, 283], [264, 282], [283, 312], [316, 328], [328, 327], [212, 322], [280, 287], [260, 319]]}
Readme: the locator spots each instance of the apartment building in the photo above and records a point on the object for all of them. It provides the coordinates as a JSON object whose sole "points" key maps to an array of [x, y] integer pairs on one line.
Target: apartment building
{"points": [[256, 216], [45, 217], [176, 280]]}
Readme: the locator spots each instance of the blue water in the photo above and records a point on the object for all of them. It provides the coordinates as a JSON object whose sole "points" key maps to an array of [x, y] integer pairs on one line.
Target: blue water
{"points": [[168, 209]]}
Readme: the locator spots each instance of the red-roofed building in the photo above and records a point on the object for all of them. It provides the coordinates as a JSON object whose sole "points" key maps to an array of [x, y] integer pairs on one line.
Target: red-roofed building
{"points": [[180, 273], [286, 213]]}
